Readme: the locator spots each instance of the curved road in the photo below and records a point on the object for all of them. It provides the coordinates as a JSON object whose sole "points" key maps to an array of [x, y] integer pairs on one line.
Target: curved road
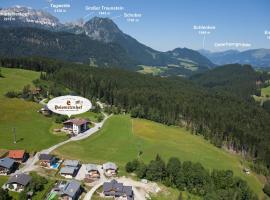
{"points": [[30, 164]]}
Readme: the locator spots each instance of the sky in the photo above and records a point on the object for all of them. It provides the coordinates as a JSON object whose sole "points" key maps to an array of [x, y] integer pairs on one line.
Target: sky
{"points": [[168, 24]]}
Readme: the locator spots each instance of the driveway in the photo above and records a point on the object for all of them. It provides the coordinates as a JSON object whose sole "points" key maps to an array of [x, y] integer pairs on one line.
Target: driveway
{"points": [[30, 164]]}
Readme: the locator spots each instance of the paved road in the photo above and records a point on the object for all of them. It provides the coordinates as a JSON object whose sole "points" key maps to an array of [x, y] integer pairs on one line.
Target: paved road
{"points": [[100, 182], [42, 102], [30, 164]]}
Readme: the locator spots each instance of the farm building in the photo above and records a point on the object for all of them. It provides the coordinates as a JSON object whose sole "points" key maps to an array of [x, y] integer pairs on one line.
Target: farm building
{"points": [[76, 125], [117, 190], [18, 182], [7, 165], [18, 155]]}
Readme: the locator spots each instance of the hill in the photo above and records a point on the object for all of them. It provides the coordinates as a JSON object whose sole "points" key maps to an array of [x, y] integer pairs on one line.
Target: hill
{"points": [[175, 61], [241, 80], [61, 45], [255, 57], [32, 129], [122, 138]]}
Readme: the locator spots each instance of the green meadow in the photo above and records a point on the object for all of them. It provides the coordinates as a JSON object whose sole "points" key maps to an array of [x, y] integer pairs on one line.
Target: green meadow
{"points": [[152, 70], [122, 138], [265, 92], [32, 128]]}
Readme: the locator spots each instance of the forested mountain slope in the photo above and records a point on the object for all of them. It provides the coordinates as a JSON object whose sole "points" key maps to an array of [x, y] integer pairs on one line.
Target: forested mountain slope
{"points": [[62, 45], [241, 80]]}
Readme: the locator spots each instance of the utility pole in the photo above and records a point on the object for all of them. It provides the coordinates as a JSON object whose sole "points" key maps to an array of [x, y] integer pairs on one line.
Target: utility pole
{"points": [[14, 135]]}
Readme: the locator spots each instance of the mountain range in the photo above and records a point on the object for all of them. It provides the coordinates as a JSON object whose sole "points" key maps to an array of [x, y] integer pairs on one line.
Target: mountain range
{"points": [[100, 42], [256, 57], [180, 61]]}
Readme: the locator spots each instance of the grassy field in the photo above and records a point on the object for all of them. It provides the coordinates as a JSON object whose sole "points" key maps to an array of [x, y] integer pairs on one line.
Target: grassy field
{"points": [[122, 138], [265, 95], [89, 115], [32, 129], [265, 92], [173, 194], [152, 70]]}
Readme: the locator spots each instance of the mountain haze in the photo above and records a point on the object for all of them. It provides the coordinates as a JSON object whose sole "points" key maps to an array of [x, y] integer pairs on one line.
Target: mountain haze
{"points": [[255, 57]]}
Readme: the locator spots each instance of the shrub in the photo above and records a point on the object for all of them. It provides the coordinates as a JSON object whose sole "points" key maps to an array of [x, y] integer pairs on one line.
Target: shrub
{"points": [[132, 166], [12, 94], [266, 189], [60, 118]]}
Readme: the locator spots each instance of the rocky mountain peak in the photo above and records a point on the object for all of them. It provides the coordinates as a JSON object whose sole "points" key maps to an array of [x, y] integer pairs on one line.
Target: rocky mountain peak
{"points": [[20, 15], [102, 29]]}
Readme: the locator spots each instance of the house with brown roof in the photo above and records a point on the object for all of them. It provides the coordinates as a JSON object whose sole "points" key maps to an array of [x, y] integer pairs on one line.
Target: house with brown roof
{"points": [[76, 125], [18, 155]]}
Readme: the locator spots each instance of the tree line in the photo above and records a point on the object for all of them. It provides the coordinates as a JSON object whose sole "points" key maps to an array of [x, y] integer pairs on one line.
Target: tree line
{"points": [[194, 178]]}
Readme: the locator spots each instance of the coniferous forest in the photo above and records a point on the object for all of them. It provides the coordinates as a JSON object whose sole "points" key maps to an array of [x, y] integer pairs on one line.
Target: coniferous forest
{"points": [[226, 120]]}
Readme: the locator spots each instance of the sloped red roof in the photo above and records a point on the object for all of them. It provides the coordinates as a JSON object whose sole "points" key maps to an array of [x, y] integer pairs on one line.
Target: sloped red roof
{"points": [[16, 154]]}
